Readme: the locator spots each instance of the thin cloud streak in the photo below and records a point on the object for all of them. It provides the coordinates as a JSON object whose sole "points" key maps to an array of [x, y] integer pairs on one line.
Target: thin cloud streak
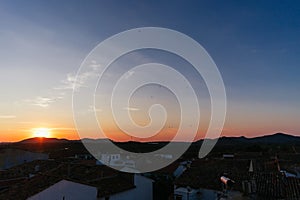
{"points": [[63, 128], [7, 116], [131, 109], [43, 102]]}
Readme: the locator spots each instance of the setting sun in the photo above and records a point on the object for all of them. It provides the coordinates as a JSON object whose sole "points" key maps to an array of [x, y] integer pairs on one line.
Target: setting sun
{"points": [[41, 132]]}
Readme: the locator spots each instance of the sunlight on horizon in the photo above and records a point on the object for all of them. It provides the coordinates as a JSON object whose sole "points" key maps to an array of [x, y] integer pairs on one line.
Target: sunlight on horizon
{"points": [[41, 132]]}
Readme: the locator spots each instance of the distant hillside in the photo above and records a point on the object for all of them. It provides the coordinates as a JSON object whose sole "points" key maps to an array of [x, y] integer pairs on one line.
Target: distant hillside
{"points": [[43, 140], [278, 138]]}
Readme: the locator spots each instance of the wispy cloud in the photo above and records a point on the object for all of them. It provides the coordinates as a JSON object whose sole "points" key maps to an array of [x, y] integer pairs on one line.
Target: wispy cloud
{"points": [[67, 84], [25, 122], [42, 101], [131, 108], [128, 74], [63, 128], [73, 82], [58, 93], [94, 65], [94, 109], [7, 116]]}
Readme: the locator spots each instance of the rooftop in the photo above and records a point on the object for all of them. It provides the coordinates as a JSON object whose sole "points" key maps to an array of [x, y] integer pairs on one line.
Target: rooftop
{"points": [[107, 180]]}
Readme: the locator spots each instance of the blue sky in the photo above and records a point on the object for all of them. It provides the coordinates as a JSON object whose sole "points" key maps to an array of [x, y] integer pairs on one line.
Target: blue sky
{"points": [[255, 45]]}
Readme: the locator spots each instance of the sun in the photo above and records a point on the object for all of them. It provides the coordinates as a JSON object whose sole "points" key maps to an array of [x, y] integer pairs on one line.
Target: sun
{"points": [[41, 132]]}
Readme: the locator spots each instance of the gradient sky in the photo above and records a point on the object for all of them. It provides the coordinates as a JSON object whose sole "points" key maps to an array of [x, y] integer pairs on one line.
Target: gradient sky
{"points": [[255, 44]]}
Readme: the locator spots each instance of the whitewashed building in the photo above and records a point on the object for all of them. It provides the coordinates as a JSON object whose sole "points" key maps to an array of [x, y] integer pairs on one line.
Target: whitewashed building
{"points": [[65, 190]]}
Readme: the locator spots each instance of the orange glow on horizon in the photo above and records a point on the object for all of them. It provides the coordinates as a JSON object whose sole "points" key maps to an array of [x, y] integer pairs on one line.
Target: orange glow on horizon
{"points": [[41, 132], [70, 133]]}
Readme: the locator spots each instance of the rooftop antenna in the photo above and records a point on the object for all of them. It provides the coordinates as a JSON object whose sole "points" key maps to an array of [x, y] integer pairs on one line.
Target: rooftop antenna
{"points": [[251, 167]]}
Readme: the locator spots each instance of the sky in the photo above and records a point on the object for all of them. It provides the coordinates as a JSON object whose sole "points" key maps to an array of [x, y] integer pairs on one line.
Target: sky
{"points": [[255, 45]]}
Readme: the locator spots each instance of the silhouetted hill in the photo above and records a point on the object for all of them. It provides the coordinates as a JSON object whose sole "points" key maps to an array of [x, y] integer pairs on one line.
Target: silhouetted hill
{"points": [[43, 140], [88, 140], [58, 148], [278, 138]]}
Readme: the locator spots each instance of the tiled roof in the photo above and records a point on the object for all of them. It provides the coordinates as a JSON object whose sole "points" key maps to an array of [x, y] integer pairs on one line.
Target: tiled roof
{"points": [[270, 183], [207, 173], [28, 168], [277, 186], [113, 185], [29, 187], [107, 180]]}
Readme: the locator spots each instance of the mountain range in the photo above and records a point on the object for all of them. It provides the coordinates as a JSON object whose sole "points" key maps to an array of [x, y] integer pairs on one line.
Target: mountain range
{"points": [[277, 138]]}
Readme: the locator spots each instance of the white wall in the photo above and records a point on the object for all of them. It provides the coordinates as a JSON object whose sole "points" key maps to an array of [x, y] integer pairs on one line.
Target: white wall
{"points": [[67, 190], [143, 190]]}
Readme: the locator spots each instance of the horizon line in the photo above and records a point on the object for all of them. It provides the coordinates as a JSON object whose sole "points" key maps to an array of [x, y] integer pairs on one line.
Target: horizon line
{"points": [[154, 141]]}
